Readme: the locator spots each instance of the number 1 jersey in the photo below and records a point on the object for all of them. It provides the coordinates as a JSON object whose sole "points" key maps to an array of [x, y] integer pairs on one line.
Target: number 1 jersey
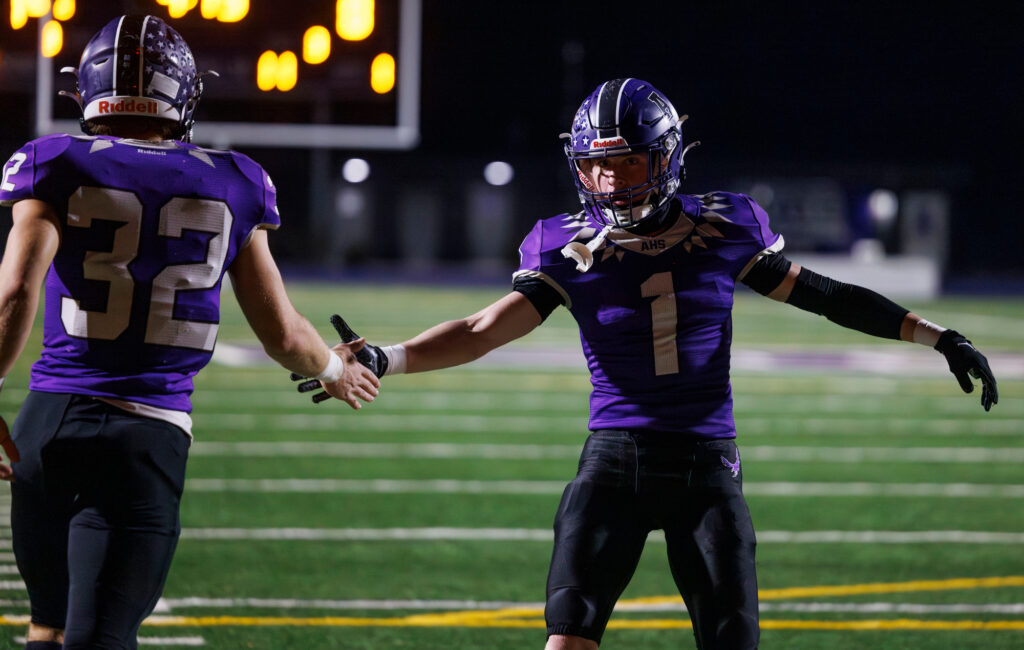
{"points": [[655, 313], [147, 231]]}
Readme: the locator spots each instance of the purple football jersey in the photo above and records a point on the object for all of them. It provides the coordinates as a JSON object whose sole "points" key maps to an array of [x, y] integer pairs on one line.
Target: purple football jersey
{"points": [[655, 313], [148, 229]]}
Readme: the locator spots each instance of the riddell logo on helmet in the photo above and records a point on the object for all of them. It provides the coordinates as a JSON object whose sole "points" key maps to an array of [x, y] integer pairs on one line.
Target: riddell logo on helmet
{"points": [[610, 142], [127, 107], [586, 181]]}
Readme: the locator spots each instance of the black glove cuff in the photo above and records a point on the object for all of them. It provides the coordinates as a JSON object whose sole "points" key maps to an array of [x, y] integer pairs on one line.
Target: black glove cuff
{"points": [[948, 340]]}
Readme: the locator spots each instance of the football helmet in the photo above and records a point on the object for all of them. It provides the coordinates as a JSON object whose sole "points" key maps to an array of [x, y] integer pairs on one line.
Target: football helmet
{"points": [[624, 116], [138, 66]]}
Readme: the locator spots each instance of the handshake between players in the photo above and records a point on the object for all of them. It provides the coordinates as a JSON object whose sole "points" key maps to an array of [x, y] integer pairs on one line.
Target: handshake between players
{"points": [[368, 355]]}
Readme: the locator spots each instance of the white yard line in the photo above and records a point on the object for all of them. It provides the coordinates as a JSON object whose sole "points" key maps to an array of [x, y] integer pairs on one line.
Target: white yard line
{"points": [[545, 535], [196, 602], [151, 640], [354, 604], [896, 608], [384, 450], [762, 453], [953, 490], [749, 423], [454, 486], [430, 423]]}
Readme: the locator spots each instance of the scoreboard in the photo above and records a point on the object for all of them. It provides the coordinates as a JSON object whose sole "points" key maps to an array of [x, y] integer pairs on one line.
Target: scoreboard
{"points": [[320, 74]]}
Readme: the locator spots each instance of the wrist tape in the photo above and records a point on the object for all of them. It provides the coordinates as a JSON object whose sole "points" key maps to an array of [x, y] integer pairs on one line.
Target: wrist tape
{"points": [[396, 359], [333, 370]]}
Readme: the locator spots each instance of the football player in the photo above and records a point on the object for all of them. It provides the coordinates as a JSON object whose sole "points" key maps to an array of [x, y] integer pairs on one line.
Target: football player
{"points": [[132, 229], [649, 275]]}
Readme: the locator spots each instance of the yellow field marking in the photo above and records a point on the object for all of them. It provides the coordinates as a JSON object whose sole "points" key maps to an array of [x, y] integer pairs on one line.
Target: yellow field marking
{"points": [[892, 624], [481, 622], [532, 617], [854, 590], [884, 624]]}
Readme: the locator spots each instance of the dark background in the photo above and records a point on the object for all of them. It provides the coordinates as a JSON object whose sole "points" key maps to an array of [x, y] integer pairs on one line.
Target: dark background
{"points": [[900, 95]]}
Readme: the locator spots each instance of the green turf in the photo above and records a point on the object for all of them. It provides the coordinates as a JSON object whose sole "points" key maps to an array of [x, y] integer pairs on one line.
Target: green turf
{"points": [[534, 407]]}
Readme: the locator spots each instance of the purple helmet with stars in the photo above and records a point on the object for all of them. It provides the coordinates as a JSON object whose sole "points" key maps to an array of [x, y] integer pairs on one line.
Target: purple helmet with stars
{"points": [[139, 66], [627, 116]]}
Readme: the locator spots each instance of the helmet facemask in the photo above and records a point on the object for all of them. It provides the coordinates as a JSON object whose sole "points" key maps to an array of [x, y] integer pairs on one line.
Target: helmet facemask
{"points": [[627, 207], [627, 116]]}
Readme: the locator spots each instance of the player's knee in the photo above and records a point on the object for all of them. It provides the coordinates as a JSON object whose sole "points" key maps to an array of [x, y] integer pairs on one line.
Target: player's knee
{"points": [[566, 604], [738, 631]]}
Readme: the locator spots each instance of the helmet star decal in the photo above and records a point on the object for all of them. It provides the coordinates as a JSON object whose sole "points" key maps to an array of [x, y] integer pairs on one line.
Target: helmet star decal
{"points": [[131, 49]]}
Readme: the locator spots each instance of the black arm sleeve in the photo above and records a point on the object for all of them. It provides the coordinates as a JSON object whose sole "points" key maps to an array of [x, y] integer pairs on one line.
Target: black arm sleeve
{"points": [[847, 305], [767, 273], [543, 296]]}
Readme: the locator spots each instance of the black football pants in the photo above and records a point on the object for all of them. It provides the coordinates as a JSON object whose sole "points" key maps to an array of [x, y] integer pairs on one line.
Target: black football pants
{"points": [[630, 483], [94, 515]]}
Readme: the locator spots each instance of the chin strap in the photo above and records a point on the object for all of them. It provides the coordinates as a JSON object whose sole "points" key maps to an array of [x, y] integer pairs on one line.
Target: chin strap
{"points": [[584, 254]]}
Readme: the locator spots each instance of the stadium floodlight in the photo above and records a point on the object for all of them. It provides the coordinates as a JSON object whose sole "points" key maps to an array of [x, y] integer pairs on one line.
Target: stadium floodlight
{"points": [[355, 170], [403, 133], [52, 39], [63, 9], [498, 173], [354, 20], [316, 45]]}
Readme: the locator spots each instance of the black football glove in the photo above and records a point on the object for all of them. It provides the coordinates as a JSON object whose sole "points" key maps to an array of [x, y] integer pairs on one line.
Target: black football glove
{"points": [[370, 356], [965, 362]]}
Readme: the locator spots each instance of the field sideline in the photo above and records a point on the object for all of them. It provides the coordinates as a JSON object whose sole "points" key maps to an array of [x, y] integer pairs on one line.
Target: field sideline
{"points": [[889, 506]]}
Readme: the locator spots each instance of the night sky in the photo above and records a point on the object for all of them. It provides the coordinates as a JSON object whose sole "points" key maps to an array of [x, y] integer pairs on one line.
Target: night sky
{"points": [[920, 88]]}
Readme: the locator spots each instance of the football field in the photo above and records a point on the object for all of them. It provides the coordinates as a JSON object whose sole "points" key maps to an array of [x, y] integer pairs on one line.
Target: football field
{"points": [[889, 506]]}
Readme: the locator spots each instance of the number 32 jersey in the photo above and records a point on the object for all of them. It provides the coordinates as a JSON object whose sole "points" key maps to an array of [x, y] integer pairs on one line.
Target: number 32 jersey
{"points": [[147, 231], [655, 313]]}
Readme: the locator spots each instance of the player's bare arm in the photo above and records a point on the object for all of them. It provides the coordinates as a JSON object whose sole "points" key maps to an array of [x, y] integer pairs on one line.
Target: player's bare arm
{"points": [[31, 245], [287, 336], [451, 343], [866, 311], [456, 342]]}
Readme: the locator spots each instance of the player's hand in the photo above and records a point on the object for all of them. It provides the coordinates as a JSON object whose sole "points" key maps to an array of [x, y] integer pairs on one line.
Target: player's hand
{"points": [[965, 362], [360, 364], [6, 473], [370, 356], [356, 381]]}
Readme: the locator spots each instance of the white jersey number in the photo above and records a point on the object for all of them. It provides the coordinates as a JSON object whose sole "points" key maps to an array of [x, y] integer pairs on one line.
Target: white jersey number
{"points": [[663, 322], [176, 216], [17, 160]]}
